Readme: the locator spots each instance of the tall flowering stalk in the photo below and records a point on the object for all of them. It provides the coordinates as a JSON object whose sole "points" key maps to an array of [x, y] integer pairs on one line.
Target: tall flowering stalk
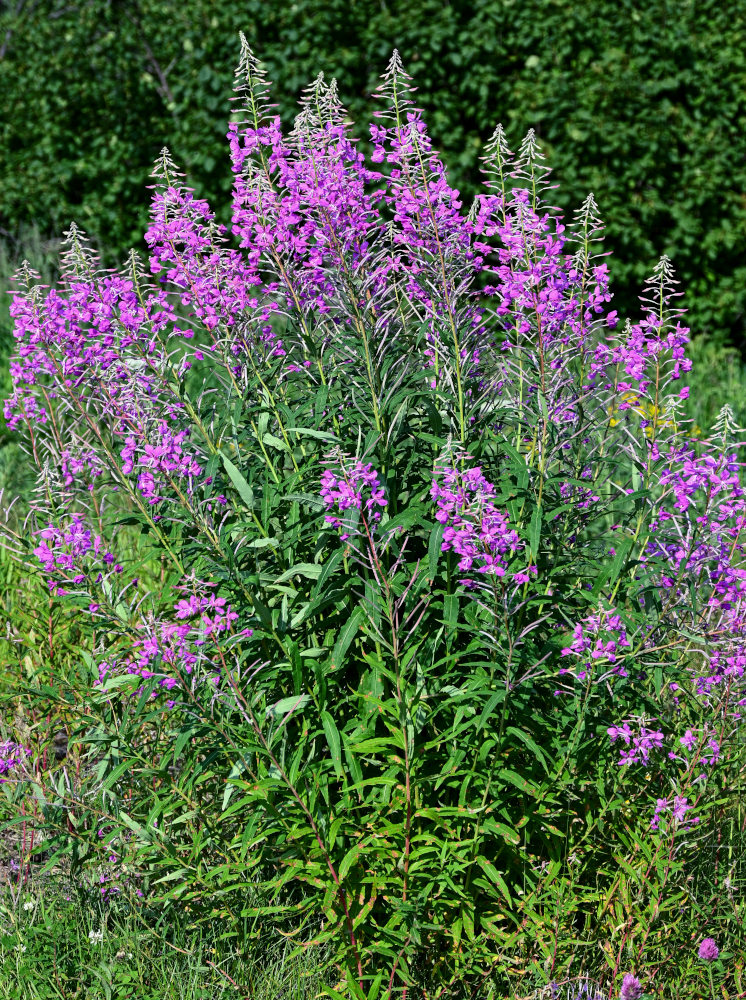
{"points": [[345, 488], [474, 528], [419, 521]]}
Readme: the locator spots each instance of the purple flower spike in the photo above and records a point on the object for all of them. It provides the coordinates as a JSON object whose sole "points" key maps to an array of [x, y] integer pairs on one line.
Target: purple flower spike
{"points": [[473, 527], [631, 988], [343, 488], [12, 755], [708, 950]]}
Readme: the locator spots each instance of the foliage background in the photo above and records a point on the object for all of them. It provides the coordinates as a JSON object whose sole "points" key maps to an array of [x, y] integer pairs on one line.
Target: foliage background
{"points": [[644, 104]]}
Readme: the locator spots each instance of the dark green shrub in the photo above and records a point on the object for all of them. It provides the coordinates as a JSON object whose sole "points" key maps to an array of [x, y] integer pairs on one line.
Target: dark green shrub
{"points": [[642, 104]]}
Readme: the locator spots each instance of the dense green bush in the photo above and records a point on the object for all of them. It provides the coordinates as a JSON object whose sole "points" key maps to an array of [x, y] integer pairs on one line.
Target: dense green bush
{"points": [[642, 104], [464, 725]]}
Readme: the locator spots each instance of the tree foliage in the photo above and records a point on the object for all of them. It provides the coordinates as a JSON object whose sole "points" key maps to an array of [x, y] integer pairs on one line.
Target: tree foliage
{"points": [[642, 104]]}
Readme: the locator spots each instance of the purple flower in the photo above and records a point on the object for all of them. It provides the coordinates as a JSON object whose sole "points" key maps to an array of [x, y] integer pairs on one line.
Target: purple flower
{"points": [[12, 755], [596, 641], [631, 988], [70, 553], [375, 280], [678, 810], [641, 745], [708, 950], [190, 638], [473, 527], [345, 487]]}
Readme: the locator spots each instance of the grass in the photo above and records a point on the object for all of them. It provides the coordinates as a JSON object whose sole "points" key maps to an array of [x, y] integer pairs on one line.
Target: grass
{"points": [[56, 943]]}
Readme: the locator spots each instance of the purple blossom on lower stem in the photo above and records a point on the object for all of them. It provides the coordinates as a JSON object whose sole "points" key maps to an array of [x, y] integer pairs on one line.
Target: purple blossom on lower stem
{"points": [[172, 647], [700, 748], [708, 950], [474, 528], [631, 987], [12, 755], [346, 486], [71, 552], [676, 809], [582, 496], [597, 640], [165, 457], [661, 806], [74, 466], [640, 745]]}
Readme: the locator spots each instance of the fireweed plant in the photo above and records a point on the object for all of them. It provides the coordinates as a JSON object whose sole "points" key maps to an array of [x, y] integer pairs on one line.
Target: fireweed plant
{"points": [[452, 599]]}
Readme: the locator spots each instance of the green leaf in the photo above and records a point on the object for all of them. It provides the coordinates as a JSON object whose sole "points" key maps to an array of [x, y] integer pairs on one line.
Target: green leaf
{"points": [[494, 876], [244, 490], [531, 744], [312, 571], [308, 499], [261, 543], [335, 744], [434, 550], [286, 706], [450, 604], [274, 442], [509, 835], [345, 637], [406, 519], [236, 771], [375, 745], [328, 569], [506, 774], [610, 571], [312, 432], [334, 994], [375, 988], [118, 681], [348, 861], [534, 533], [116, 774], [494, 700]]}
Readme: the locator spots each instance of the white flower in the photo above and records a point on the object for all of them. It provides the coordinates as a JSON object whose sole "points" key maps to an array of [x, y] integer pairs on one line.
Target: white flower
{"points": [[95, 937], [28, 906], [21, 948]]}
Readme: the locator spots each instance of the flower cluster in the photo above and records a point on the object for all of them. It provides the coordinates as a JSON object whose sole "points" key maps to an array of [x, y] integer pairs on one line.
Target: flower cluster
{"points": [[164, 457], [640, 745], [173, 646], [12, 756], [70, 553], [474, 528], [346, 486], [631, 987], [597, 641], [675, 809], [86, 466], [708, 950]]}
